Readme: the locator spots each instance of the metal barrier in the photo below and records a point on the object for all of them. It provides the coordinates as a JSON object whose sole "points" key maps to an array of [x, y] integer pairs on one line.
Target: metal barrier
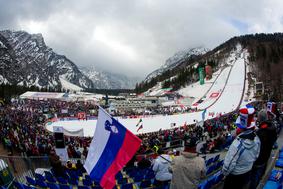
{"points": [[74, 160], [176, 143], [20, 167], [172, 144]]}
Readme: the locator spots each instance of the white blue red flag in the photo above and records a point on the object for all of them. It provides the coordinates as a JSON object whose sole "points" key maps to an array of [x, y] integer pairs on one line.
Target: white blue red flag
{"points": [[111, 148]]}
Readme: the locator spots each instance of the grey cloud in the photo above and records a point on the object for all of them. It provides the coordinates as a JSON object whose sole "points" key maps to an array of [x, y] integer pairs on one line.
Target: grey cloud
{"points": [[12, 11], [134, 37]]}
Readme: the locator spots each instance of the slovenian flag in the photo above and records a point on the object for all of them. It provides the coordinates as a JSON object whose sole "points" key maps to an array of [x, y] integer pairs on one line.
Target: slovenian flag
{"points": [[111, 148]]}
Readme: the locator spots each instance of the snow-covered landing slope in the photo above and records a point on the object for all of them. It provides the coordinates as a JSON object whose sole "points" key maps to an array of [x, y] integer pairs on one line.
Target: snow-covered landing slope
{"points": [[219, 85], [228, 101], [215, 90], [231, 97], [196, 90], [69, 86]]}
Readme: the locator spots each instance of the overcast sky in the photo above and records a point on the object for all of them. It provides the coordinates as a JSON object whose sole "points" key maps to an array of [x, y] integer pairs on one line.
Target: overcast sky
{"points": [[134, 37]]}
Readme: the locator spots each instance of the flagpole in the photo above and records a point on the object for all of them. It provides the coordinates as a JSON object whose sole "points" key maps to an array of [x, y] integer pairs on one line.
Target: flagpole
{"points": [[103, 110], [106, 112]]}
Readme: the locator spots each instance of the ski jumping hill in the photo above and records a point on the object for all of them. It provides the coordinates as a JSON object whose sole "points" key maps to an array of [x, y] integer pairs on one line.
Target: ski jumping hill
{"points": [[228, 83]]}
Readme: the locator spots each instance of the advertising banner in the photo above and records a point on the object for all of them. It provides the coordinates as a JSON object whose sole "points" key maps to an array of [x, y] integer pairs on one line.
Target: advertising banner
{"points": [[201, 75]]}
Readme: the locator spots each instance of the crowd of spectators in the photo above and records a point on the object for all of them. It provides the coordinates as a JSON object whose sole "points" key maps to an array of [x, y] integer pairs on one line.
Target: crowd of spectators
{"points": [[214, 135], [245, 163], [246, 160], [55, 108], [23, 129], [151, 111]]}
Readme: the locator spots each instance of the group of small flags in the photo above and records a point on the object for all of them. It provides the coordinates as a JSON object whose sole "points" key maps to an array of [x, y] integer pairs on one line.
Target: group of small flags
{"points": [[139, 125]]}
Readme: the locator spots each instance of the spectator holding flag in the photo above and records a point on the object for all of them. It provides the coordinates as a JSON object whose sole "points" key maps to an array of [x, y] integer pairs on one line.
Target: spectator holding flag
{"points": [[110, 150]]}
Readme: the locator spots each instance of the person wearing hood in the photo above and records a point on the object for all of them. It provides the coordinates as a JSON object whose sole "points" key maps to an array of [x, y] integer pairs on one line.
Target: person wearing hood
{"points": [[188, 170], [161, 168], [243, 151], [267, 135]]}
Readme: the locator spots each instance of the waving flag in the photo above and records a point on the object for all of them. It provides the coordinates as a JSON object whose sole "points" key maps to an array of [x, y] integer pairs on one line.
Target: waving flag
{"points": [[140, 127], [111, 148], [138, 124]]}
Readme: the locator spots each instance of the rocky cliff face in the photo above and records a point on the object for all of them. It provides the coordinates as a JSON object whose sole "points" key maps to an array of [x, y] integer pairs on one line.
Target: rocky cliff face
{"points": [[176, 60], [25, 59]]}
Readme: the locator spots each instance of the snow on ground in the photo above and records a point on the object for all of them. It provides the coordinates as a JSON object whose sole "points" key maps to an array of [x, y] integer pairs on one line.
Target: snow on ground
{"points": [[70, 86], [228, 101], [232, 94], [216, 88], [196, 90], [3, 80], [156, 90], [2, 45]]}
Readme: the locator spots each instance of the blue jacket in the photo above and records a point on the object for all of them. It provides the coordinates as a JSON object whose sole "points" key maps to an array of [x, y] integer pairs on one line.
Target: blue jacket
{"points": [[242, 154]]}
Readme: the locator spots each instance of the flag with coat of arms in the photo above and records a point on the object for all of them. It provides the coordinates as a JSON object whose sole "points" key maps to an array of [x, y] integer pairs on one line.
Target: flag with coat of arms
{"points": [[111, 148]]}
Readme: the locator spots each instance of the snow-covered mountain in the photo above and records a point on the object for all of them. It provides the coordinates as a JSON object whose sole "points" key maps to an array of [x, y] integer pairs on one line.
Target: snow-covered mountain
{"points": [[25, 59], [264, 63], [176, 60], [106, 80]]}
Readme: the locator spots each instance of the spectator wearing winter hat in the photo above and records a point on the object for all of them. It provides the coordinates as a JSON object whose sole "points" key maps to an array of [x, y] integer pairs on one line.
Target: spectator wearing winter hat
{"points": [[267, 135], [243, 151], [272, 109]]}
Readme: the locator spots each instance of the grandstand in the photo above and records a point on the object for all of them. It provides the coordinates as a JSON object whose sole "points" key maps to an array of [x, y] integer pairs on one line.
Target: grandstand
{"points": [[28, 140]]}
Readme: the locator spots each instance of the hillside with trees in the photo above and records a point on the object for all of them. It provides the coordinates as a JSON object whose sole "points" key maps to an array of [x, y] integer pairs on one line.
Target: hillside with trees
{"points": [[265, 61]]}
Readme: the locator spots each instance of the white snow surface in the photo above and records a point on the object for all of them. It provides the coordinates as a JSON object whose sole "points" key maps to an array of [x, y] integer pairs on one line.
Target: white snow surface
{"points": [[217, 87], [70, 86], [3, 80], [231, 96], [228, 101], [2, 45], [196, 90]]}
